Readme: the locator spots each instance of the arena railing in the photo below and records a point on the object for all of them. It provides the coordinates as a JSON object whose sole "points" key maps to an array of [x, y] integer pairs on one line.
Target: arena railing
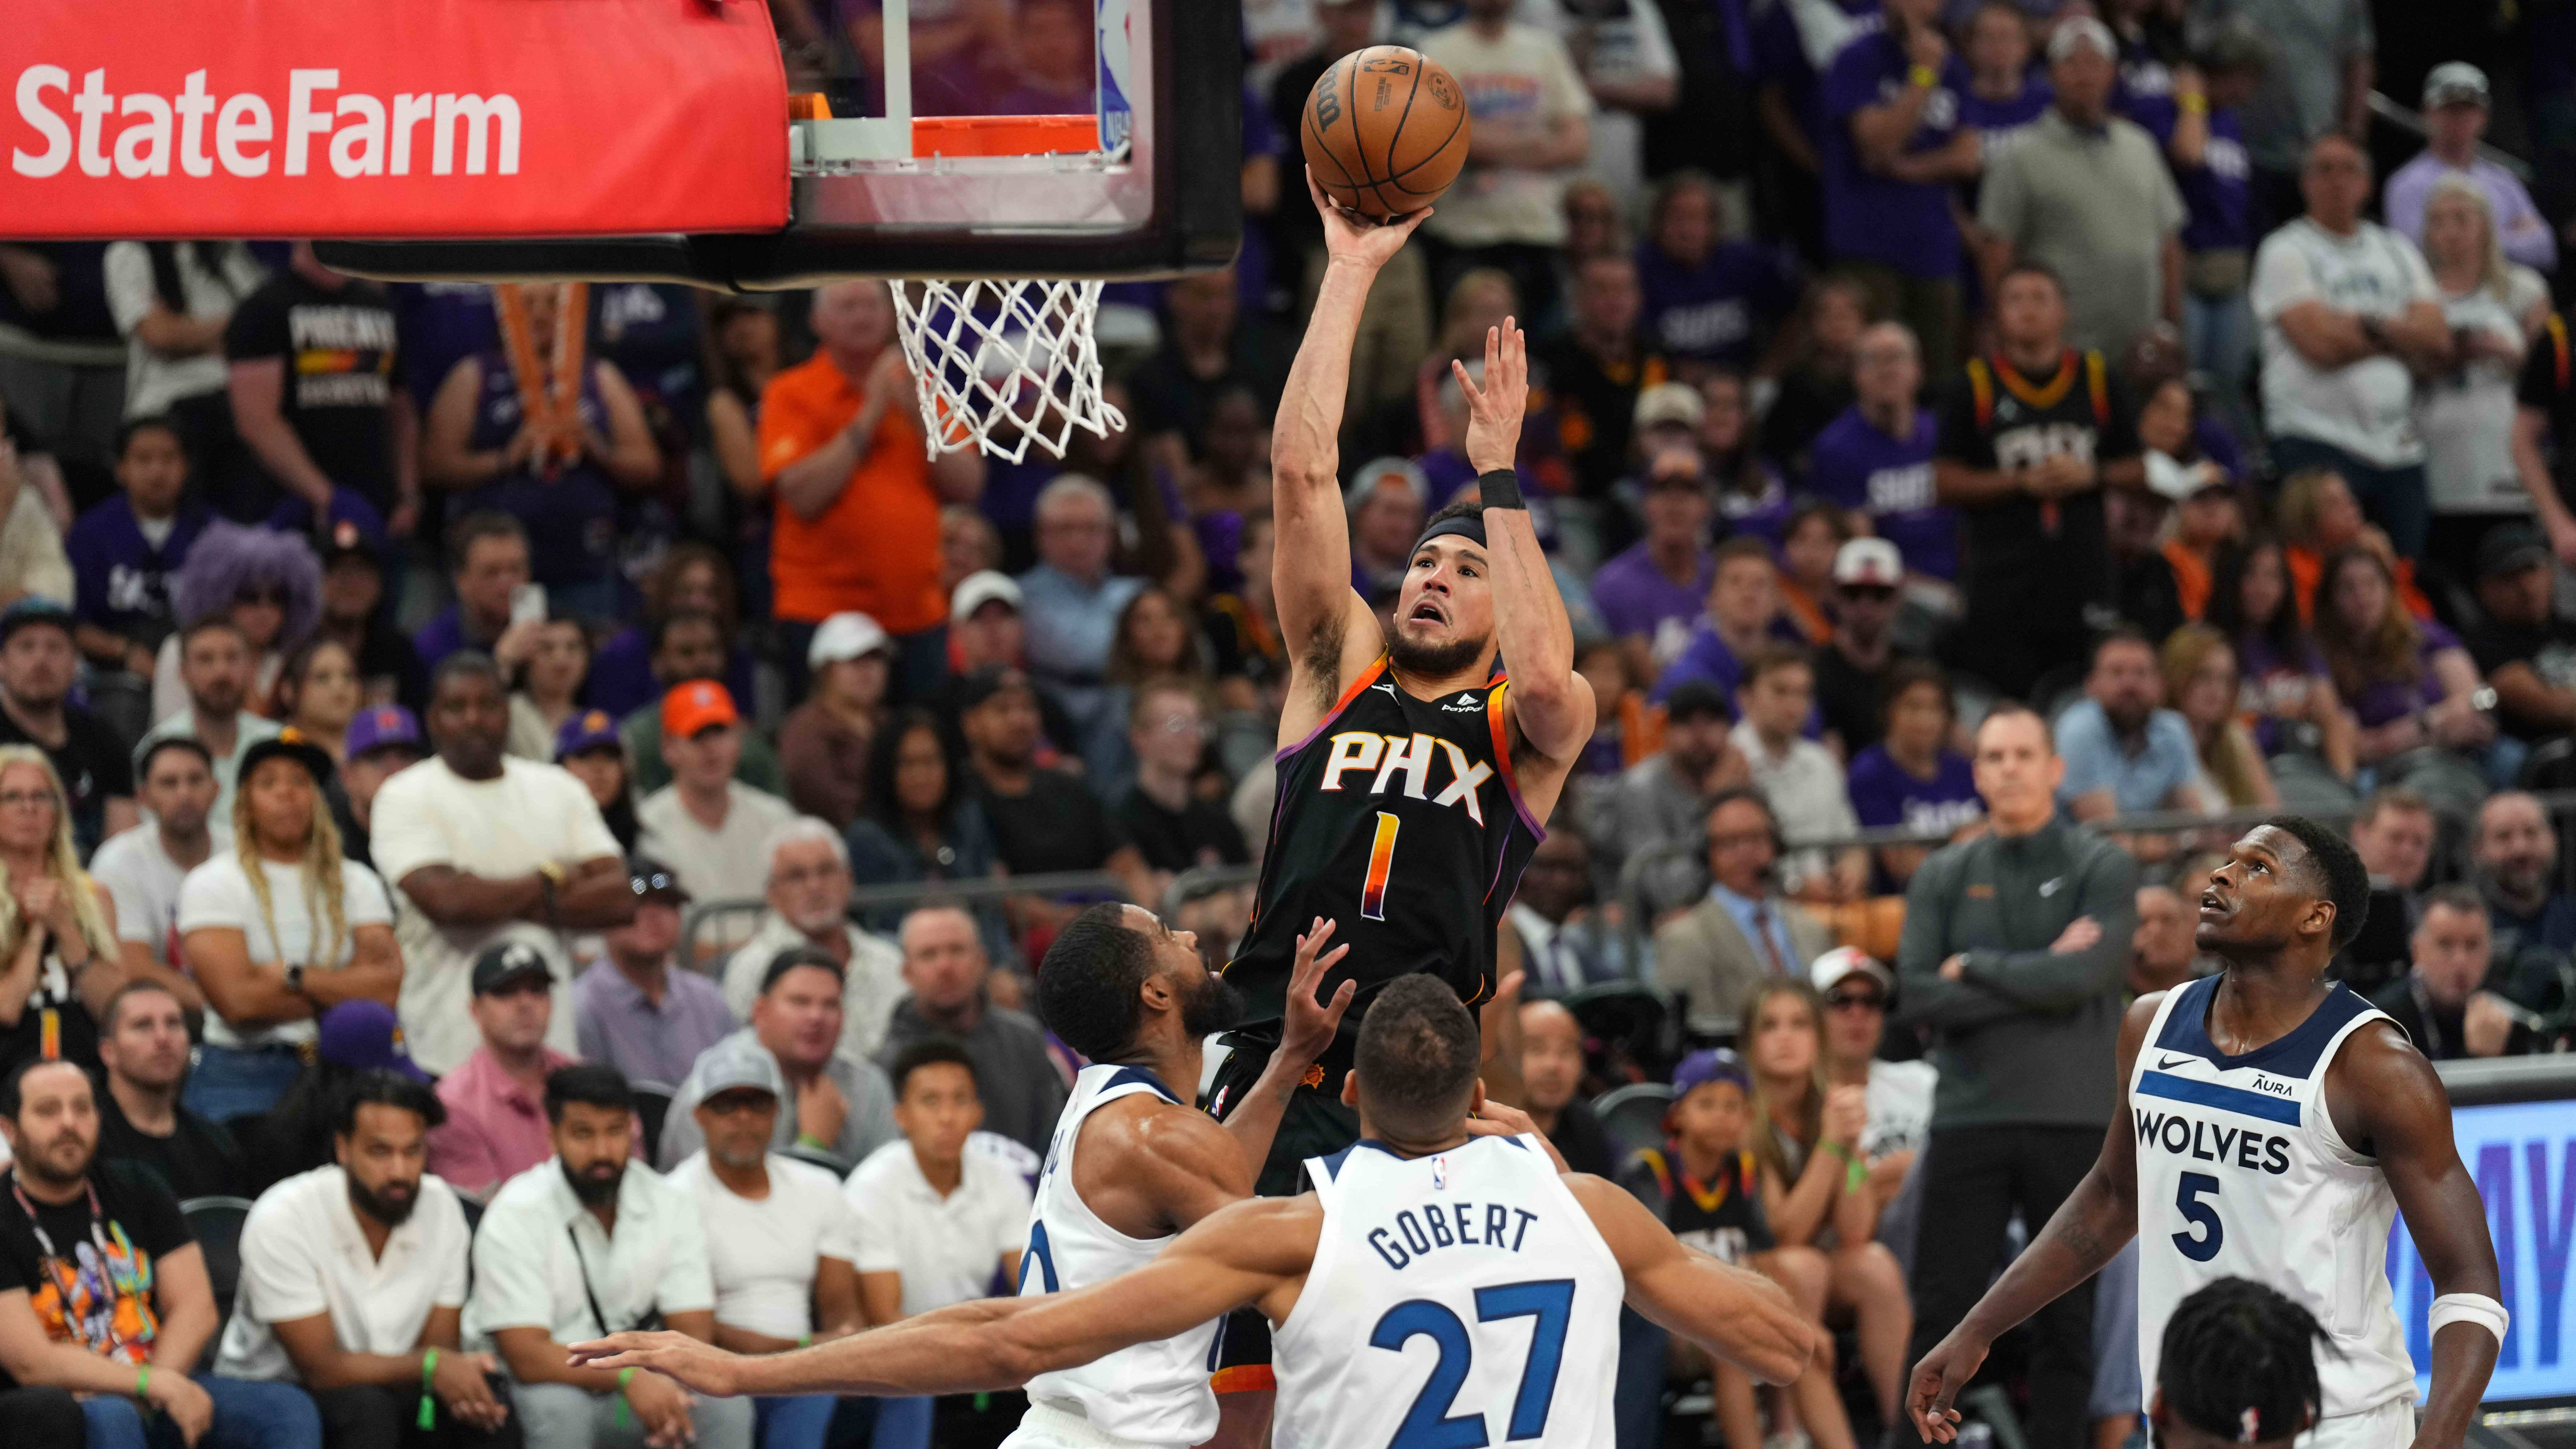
{"points": [[901, 895]]}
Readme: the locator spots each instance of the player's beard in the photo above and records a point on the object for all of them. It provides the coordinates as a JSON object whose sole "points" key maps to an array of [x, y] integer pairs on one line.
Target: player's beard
{"points": [[390, 1209], [1432, 661], [1213, 1008]]}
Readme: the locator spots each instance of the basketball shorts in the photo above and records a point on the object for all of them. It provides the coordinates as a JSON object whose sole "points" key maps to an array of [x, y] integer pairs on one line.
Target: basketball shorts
{"points": [[1315, 1124], [2389, 1426]]}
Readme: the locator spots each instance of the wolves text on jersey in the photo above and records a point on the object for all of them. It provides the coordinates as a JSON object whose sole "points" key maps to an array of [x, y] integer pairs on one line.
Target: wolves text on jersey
{"points": [[2209, 1142], [1393, 757]]}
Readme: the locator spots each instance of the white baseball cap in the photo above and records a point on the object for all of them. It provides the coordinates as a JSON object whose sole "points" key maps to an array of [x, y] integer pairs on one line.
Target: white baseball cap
{"points": [[2077, 30], [978, 589], [847, 636], [2452, 82], [1828, 970], [1869, 561]]}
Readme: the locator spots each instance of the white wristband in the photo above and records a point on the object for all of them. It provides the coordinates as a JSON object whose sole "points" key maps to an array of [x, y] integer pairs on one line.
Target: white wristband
{"points": [[2475, 1308]]}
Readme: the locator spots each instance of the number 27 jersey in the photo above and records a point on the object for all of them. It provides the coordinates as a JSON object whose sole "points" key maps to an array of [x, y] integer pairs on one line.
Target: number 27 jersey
{"points": [[1399, 819], [1457, 1300]]}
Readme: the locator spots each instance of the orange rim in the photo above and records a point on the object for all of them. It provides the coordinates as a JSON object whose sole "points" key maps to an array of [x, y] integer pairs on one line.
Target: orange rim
{"points": [[1004, 135]]}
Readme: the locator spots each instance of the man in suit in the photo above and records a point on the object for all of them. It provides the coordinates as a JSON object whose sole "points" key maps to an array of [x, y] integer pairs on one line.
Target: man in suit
{"points": [[1562, 944], [1745, 930]]}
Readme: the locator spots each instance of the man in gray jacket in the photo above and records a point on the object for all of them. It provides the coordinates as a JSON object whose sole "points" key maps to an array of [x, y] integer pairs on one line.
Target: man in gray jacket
{"points": [[2013, 953]]}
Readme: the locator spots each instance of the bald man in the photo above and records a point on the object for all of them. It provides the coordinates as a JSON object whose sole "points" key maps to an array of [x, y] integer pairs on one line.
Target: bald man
{"points": [[1552, 1073], [857, 524]]}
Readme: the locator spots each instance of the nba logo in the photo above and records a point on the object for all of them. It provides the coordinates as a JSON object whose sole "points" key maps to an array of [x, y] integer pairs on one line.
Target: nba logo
{"points": [[1440, 1174], [1117, 64]]}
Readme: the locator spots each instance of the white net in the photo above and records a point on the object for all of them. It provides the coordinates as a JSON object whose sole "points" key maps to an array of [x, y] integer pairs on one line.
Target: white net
{"points": [[1000, 365]]}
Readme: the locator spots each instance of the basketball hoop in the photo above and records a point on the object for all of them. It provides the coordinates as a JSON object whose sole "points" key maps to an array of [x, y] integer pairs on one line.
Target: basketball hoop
{"points": [[1000, 364]]}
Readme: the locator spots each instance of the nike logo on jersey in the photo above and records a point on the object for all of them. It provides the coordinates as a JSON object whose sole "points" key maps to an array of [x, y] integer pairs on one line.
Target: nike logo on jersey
{"points": [[1408, 758], [2167, 1064]]}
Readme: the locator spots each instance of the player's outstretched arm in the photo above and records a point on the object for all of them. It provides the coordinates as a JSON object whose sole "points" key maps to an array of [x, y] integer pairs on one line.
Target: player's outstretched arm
{"points": [[1551, 704], [2385, 1086], [2088, 1230], [1320, 615], [1307, 1029], [1243, 1254], [1739, 1316]]}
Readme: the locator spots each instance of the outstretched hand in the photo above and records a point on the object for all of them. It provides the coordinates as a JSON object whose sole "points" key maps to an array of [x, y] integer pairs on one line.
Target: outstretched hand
{"points": [[1350, 237], [686, 1361], [1494, 410], [1310, 1024]]}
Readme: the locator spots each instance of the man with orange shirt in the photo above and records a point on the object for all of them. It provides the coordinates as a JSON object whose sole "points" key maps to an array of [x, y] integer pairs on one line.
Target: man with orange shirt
{"points": [[858, 504]]}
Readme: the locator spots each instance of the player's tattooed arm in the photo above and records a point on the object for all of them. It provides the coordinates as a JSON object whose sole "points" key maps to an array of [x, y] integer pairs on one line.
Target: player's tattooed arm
{"points": [[1323, 617], [2089, 1228], [2388, 1102]]}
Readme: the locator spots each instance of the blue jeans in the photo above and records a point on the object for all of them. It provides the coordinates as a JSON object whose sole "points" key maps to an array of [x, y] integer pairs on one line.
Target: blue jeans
{"points": [[248, 1415], [800, 1422], [228, 1082], [902, 1424], [2395, 498], [2218, 342]]}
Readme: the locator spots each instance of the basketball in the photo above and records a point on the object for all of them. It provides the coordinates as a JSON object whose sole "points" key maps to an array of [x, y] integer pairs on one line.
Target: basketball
{"points": [[1385, 131]]}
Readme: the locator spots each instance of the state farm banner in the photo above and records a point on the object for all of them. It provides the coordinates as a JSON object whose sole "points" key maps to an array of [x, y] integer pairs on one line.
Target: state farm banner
{"points": [[390, 118]]}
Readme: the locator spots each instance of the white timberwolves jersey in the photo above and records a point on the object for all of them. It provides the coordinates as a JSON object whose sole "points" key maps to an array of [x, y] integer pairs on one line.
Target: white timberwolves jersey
{"points": [[1456, 1301], [1152, 1393], [2241, 1174]]}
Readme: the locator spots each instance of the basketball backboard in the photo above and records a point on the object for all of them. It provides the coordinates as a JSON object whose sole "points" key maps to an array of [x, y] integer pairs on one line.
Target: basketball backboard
{"points": [[920, 150]]}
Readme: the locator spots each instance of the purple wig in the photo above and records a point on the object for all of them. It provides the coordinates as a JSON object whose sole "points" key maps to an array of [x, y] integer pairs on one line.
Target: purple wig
{"points": [[229, 558]]}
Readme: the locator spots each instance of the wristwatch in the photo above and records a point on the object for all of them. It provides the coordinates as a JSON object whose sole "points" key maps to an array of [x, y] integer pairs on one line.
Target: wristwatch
{"points": [[295, 979]]}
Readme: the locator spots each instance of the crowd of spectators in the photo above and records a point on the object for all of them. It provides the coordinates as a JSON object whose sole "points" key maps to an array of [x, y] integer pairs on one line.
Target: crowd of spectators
{"points": [[386, 672]]}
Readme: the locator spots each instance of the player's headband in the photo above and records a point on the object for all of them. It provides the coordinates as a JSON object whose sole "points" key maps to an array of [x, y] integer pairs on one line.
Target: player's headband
{"points": [[1468, 527]]}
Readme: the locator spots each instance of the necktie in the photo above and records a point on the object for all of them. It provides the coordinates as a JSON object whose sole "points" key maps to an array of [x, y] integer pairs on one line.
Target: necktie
{"points": [[1770, 943]]}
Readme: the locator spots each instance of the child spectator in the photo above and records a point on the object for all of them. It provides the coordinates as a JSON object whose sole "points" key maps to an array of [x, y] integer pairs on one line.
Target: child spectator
{"points": [[1704, 1185]]}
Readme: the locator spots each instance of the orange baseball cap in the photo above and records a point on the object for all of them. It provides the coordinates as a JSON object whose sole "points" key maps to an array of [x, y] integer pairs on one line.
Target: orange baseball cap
{"points": [[694, 707]]}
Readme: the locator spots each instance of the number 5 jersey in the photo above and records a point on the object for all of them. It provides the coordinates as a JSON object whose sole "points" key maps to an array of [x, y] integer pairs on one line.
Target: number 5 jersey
{"points": [[1399, 819], [2241, 1174]]}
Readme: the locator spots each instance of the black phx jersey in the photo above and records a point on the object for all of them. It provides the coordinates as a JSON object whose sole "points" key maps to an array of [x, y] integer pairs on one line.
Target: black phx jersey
{"points": [[1398, 819]]}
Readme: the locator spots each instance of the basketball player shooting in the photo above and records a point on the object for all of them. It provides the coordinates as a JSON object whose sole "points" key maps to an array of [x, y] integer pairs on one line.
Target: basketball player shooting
{"points": [[1412, 777], [2271, 1124], [1451, 1222]]}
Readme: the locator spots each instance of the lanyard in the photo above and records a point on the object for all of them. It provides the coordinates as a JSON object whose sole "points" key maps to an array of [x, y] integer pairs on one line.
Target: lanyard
{"points": [[65, 1277]]}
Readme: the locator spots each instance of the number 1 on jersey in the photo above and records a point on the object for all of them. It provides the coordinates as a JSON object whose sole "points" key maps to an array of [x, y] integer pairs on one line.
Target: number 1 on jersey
{"points": [[1381, 860]]}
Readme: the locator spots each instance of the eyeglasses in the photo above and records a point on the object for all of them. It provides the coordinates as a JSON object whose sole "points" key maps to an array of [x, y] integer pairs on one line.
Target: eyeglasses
{"points": [[25, 799], [1181, 724], [1855, 1000], [734, 1104], [655, 884]]}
